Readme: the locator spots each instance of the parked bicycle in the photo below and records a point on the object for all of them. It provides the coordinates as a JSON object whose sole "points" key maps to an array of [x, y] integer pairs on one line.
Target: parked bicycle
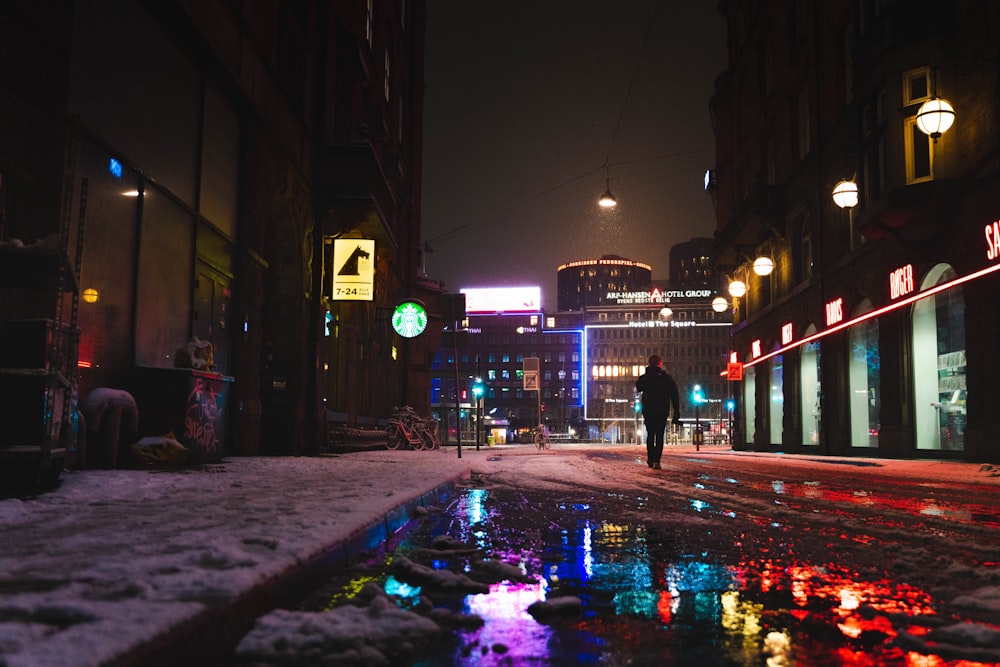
{"points": [[407, 427], [540, 436]]}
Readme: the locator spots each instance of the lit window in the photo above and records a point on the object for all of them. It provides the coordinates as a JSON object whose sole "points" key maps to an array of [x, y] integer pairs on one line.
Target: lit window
{"points": [[919, 153]]}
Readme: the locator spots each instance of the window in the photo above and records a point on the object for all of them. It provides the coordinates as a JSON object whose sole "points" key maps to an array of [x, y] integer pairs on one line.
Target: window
{"points": [[916, 86], [533, 320], [368, 20], [919, 153], [799, 21], [875, 168], [805, 135], [386, 87]]}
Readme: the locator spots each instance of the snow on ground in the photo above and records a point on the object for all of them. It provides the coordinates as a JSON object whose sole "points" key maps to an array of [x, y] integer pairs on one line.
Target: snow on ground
{"points": [[113, 559]]}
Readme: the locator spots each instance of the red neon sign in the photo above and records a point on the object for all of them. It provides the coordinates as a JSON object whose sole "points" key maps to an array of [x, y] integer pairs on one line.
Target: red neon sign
{"points": [[755, 348], [835, 311], [786, 333], [992, 240], [923, 294], [733, 357], [901, 282]]}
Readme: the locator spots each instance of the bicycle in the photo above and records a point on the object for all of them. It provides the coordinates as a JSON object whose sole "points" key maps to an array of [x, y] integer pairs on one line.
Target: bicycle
{"points": [[428, 433], [406, 426], [540, 436]]}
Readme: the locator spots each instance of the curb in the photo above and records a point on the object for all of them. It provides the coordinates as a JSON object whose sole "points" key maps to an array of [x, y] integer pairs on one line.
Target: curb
{"points": [[210, 637]]}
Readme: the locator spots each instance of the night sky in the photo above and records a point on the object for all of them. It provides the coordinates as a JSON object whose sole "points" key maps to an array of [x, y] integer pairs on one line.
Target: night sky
{"points": [[525, 105]]}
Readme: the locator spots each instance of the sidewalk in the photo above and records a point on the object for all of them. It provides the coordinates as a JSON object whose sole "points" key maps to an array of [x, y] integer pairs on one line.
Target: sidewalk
{"points": [[123, 567]]}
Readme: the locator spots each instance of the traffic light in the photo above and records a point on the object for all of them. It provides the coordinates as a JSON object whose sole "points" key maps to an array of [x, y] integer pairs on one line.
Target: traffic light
{"points": [[477, 388], [730, 405], [637, 405], [696, 396]]}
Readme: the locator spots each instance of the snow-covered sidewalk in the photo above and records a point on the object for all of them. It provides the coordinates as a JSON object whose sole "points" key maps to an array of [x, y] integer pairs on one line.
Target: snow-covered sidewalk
{"points": [[97, 570]]}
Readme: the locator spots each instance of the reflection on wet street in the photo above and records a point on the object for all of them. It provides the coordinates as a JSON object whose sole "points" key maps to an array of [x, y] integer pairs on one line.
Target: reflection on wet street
{"points": [[656, 586]]}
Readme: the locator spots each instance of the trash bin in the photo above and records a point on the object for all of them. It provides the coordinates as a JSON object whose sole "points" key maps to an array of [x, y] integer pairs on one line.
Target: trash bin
{"points": [[191, 404]]}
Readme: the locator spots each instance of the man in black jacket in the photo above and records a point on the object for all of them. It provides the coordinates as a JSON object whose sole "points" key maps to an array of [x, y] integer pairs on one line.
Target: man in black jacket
{"points": [[659, 393]]}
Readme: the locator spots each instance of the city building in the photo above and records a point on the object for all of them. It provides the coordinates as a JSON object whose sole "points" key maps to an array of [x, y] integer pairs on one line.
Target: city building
{"points": [[588, 282], [590, 356], [214, 154], [482, 377], [859, 231]]}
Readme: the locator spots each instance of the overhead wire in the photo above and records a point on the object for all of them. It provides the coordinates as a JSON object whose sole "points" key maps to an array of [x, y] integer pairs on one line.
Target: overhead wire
{"points": [[631, 85], [583, 191]]}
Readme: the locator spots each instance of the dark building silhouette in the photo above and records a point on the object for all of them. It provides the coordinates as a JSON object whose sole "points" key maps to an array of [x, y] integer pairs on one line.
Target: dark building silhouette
{"points": [[691, 264], [216, 150], [875, 332]]}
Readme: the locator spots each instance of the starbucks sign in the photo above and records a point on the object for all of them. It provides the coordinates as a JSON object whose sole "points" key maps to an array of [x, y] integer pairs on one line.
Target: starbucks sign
{"points": [[409, 319]]}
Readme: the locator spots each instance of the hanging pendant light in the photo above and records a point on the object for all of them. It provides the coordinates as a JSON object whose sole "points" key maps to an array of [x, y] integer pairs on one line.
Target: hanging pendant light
{"points": [[608, 200]]}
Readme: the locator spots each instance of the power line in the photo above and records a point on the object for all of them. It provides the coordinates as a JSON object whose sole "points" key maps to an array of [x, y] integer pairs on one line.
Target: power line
{"points": [[457, 231], [631, 85]]}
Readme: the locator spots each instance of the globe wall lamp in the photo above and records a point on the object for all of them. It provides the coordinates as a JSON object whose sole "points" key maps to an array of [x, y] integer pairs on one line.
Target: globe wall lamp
{"points": [[845, 194], [666, 313], [719, 304], [763, 266], [737, 288], [935, 117]]}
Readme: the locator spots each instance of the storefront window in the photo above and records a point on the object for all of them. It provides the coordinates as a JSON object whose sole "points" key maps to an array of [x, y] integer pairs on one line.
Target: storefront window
{"points": [[750, 403], [864, 371], [939, 364], [777, 398], [809, 383]]}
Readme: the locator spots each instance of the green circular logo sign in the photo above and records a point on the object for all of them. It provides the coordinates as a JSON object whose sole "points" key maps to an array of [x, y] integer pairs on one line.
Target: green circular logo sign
{"points": [[409, 319]]}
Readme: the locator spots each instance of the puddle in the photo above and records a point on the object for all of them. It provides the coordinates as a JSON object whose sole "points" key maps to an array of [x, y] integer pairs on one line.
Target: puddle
{"points": [[648, 592]]}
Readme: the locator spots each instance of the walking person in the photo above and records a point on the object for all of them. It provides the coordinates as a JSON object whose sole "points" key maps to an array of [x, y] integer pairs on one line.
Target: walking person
{"points": [[659, 394]]}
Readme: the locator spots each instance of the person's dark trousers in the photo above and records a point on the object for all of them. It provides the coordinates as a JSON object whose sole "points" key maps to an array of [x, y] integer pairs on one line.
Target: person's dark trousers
{"points": [[655, 426]]}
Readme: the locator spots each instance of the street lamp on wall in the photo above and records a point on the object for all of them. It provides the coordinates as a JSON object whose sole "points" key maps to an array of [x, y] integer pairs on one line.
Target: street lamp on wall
{"points": [[763, 266], [737, 288], [935, 117], [845, 194], [719, 304]]}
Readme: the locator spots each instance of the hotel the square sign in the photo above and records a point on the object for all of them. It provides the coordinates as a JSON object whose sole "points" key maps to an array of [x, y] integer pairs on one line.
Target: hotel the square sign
{"points": [[353, 269]]}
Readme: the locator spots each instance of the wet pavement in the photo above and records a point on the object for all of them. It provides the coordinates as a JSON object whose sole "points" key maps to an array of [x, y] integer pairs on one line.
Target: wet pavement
{"points": [[736, 564]]}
